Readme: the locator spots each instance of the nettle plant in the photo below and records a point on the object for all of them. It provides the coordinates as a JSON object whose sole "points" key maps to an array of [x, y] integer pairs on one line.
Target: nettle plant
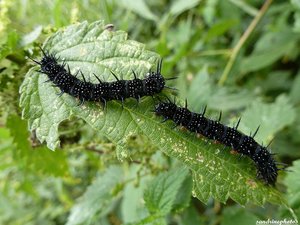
{"points": [[84, 52]]}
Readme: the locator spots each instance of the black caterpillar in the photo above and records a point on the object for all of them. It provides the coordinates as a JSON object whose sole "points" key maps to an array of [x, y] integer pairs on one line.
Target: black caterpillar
{"points": [[153, 84], [267, 169], [62, 78]]}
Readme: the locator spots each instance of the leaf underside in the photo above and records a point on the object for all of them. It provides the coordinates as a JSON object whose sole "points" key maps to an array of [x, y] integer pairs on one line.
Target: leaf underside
{"points": [[92, 49]]}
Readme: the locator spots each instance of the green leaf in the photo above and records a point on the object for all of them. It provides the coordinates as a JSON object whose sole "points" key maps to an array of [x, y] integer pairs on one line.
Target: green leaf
{"points": [[163, 190], [270, 48], [209, 11], [95, 50], [103, 51], [151, 220], [32, 36], [140, 7], [219, 29], [180, 6], [191, 216], [34, 157], [238, 215], [293, 187], [296, 5], [214, 97], [245, 7], [184, 194], [295, 90], [297, 22], [10, 44], [98, 199], [271, 118], [132, 207]]}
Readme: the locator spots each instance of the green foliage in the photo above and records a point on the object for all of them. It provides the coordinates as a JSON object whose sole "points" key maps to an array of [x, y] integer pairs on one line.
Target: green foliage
{"points": [[293, 185], [161, 193], [274, 117], [96, 48], [140, 8], [264, 53], [99, 198], [34, 158], [122, 166], [234, 215]]}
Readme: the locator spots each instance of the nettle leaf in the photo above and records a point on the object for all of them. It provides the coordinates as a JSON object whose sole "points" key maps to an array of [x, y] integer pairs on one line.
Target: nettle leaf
{"points": [[214, 97], [132, 206], [271, 118], [163, 190], [99, 198], [270, 48], [183, 197], [93, 49]]}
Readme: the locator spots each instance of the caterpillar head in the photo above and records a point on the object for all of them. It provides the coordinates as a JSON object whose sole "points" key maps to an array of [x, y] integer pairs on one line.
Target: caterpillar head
{"points": [[49, 65], [266, 167]]}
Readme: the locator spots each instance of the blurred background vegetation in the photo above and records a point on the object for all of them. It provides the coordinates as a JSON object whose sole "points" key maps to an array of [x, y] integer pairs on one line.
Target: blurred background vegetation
{"points": [[255, 74]]}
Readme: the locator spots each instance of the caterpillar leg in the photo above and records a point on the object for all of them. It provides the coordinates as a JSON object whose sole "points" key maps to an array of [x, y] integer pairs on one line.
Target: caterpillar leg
{"points": [[60, 94], [81, 101]]}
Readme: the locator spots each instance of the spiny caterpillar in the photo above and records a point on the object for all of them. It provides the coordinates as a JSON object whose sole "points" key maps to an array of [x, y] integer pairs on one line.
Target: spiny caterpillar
{"points": [[267, 169], [103, 91]]}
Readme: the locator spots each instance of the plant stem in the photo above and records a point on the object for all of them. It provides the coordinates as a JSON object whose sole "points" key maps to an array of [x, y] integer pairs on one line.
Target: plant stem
{"points": [[211, 53], [242, 41]]}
